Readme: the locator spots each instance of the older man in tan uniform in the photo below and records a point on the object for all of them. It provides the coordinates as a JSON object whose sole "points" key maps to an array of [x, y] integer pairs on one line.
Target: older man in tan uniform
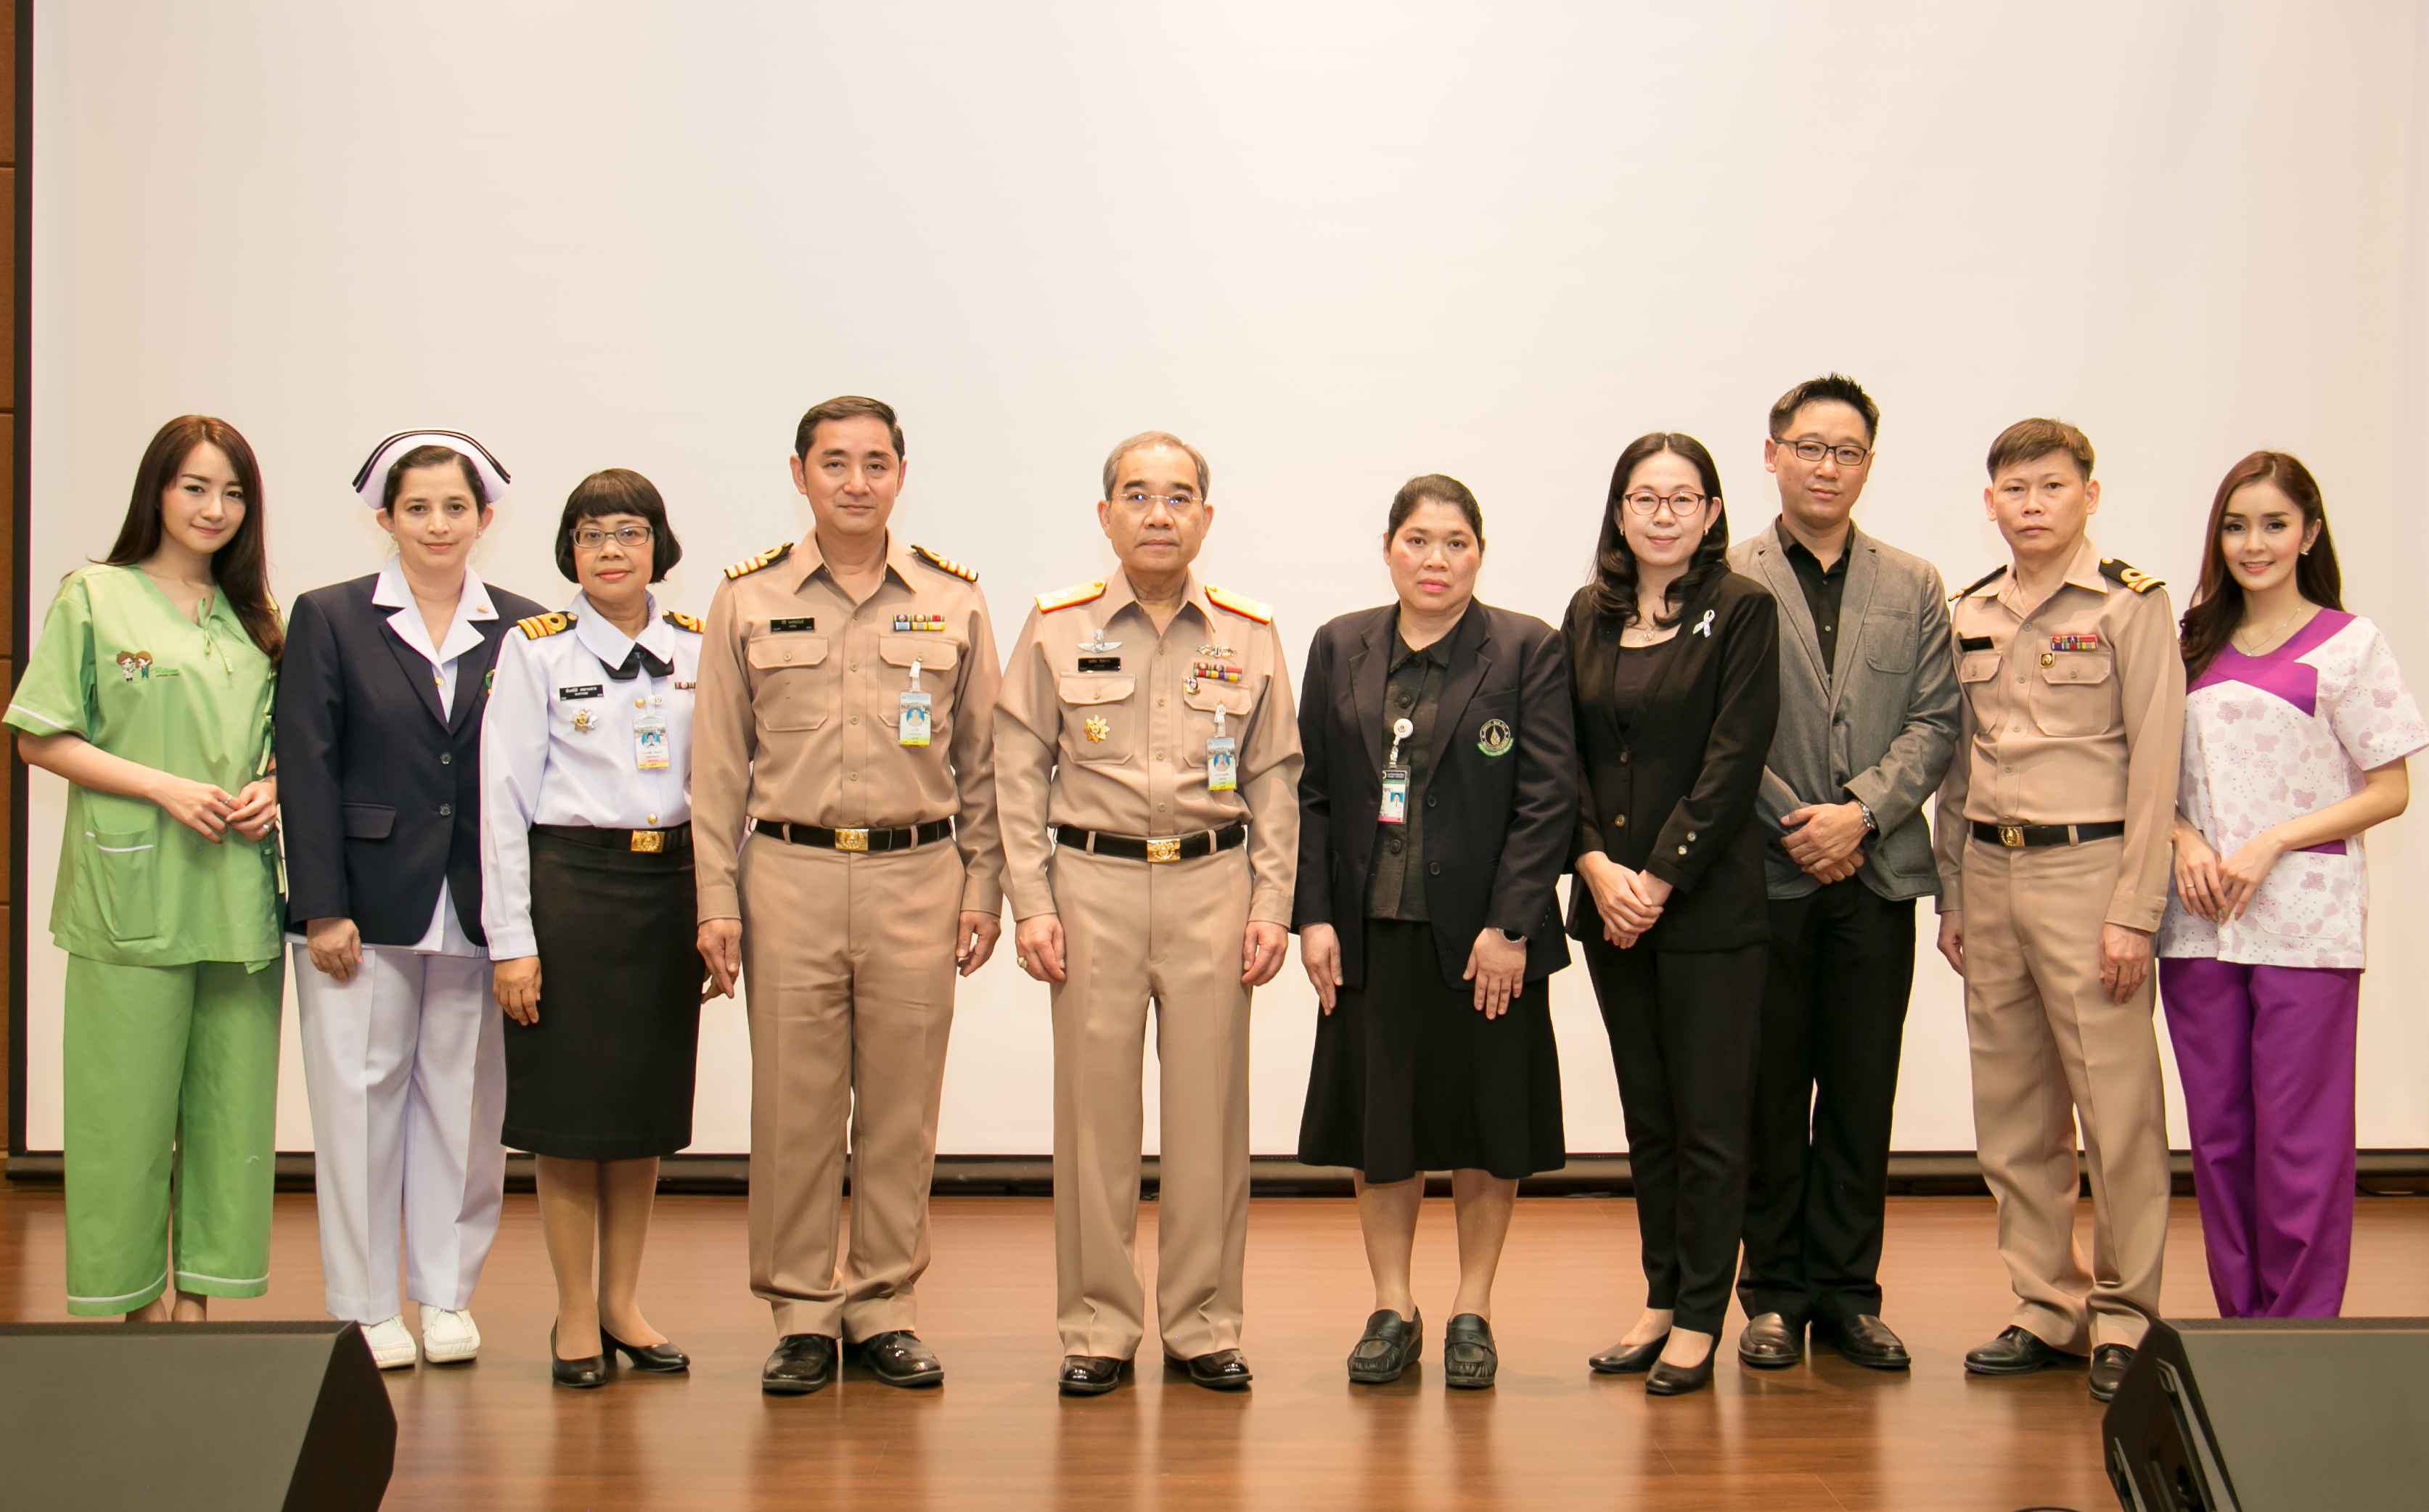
{"points": [[1146, 726], [2052, 842], [847, 690]]}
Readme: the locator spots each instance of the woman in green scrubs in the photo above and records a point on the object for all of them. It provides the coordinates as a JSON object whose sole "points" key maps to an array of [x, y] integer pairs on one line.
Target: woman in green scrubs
{"points": [[150, 691]]}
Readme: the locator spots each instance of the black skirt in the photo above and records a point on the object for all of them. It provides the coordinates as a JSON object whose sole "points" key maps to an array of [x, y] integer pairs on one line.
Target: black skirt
{"points": [[1409, 1078], [607, 1074]]}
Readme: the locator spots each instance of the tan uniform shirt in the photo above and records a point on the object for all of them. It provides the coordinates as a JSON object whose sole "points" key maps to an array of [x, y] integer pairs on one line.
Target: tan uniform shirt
{"points": [[796, 719], [2074, 714], [1122, 748]]}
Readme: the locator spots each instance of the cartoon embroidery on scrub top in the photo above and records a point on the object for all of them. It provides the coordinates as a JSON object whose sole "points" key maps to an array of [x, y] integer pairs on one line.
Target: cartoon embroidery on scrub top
{"points": [[133, 664]]}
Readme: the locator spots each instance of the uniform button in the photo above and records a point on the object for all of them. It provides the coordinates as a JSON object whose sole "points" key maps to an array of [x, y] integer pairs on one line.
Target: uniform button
{"points": [[1404, 700], [2006, 768], [1158, 808], [1159, 755], [1623, 758], [1682, 850], [1159, 703], [856, 718], [1620, 822], [2020, 680], [446, 809], [1429, 800], [1395, 848], [852, 777], [446, 758], [640, 703], [853, 668], [1691, 834], [788, 656], [1433, 868], [653, 818]]}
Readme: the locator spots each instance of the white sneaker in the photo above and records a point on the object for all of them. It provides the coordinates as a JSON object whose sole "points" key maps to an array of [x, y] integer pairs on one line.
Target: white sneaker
{"points": [[391, 1346], [447, 1337]]}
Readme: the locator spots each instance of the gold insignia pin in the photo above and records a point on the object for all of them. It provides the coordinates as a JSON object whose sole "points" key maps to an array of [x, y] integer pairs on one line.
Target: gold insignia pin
{"points": [[585, 720], [1097, 726]]}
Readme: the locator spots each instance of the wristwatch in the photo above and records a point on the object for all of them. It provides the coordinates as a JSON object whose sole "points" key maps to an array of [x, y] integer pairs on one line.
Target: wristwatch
{"points": [[1867, 810]]}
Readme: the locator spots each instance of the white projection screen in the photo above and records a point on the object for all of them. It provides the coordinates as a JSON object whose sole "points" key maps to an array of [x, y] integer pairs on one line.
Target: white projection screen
{"points": [[1335, 245]]}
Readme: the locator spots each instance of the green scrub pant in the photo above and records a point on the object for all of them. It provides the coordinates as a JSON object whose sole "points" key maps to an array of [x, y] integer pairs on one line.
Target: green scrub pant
{"points": [[170, 1083]]}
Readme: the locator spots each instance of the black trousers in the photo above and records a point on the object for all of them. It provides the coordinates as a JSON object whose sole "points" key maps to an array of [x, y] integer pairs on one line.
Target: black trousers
{"points": [[1833, 1020], [1683, 1025]]}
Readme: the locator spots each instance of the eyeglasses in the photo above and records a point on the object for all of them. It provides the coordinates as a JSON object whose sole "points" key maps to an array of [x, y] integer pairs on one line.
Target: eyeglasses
{"points": [[1849, 457], [631, 538], [1141, 501], [1645, 505]]}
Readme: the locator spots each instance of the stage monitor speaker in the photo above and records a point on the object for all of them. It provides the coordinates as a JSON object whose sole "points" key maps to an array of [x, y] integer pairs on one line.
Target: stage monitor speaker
{"points": [[2274, 1414], [223, 1417]]}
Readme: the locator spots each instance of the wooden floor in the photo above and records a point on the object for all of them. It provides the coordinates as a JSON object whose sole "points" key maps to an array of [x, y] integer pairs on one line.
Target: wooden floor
{"points": [[1822, 1436]]}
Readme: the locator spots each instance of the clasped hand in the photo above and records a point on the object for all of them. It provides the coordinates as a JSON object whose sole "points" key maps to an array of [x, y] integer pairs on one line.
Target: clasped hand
{"points": [[2220, 890], [1826, 840], [1629, 902]]}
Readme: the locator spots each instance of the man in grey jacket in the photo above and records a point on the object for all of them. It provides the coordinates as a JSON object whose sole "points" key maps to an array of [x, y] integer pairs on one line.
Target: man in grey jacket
{"points": [[1868, 715]]}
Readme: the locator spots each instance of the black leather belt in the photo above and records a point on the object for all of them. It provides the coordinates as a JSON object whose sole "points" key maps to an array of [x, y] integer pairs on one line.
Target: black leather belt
{"points": [[856, 840], [1167, 848], [675, 841], [2024, 836]]}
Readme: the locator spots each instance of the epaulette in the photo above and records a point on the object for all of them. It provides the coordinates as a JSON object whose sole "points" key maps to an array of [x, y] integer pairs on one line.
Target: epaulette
{"points": [[1986, 577], [1245, 607], [683, 622], [945, 564], [2133, 579], [1065, 598], [556, 623], [767, 558]]}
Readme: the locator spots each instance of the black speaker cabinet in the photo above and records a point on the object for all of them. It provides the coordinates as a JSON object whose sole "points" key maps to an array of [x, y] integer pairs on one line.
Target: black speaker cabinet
{"points": [[272, 1416], [2274, 1414]]}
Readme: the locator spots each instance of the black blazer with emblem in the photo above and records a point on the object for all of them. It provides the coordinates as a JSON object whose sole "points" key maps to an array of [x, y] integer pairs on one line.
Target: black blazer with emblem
{"points": [[1498, 826], [379, 788], [1674, 794]]}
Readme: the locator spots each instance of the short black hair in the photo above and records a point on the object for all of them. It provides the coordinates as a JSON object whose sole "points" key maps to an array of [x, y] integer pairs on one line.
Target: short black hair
{"points": [[617, 491], [1831, 387], [845, 407]]}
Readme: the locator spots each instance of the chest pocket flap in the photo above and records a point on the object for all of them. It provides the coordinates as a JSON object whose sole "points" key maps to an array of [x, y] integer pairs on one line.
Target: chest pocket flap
{"points": [[1236, 701], [1092, 691], [2077, 668], [774, 653], [1978, 666], [934, 653]]}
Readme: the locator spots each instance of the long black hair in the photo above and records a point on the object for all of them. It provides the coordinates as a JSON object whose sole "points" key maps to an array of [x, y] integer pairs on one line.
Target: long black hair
{"points": [[2217, 603], [1614, 583], [242, 568]]}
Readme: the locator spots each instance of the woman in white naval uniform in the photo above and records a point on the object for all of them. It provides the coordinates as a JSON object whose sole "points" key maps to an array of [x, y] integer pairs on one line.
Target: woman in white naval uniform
{"points": [[586, 864], [378, 739]]}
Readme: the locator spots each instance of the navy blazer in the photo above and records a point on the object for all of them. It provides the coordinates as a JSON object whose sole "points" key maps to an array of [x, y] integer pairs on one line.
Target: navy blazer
{"points": [[1498, 828], [379, 788]]}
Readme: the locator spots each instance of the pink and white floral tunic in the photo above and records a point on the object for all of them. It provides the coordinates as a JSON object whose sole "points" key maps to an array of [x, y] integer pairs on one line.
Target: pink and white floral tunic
{"points": [[2271, 738]]}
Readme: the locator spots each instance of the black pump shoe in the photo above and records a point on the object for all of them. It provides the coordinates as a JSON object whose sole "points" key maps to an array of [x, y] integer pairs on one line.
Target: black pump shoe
{"points": [[585, 1374], [1388, 1347], [1469, 1359], [1627, 1359], [1678, 1380], [662, 1358]]}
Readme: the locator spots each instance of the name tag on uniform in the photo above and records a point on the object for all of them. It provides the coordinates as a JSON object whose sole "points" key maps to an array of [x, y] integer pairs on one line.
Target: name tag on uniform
{"points": [[650, 752], [786, 627], [1101, 664], [588, 690], [916, 718], [1973, 643], [1396, 779]]}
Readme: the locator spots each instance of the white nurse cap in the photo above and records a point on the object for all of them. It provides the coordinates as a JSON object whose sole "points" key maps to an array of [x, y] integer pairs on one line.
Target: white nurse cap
{"points": [[371, 482]]}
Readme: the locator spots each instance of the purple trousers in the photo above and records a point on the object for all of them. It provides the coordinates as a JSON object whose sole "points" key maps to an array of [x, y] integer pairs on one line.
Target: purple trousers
{"points": [[2266, 1054]]}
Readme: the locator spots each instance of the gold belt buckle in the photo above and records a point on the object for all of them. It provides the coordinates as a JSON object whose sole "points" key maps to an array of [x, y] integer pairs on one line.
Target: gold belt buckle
{"points": [[652, 842], [852, 840], [1164, 849], [2013, 836]]}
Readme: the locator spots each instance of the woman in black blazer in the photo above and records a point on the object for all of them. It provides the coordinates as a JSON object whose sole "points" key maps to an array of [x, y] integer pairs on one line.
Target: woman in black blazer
{"points": [[379, 740], [1675, 663], [1436, 809]]}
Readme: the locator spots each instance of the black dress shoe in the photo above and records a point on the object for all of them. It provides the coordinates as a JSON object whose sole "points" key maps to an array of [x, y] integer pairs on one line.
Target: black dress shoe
{"points": [[1091, 1374], [1469, 1359], [2015, 1351], [897, 1358], [1666, 1379], [1389, 1346], [2110, 1363], [1866, 1341], [1770, 1342], [586, 1374], [1222, 1370], [662, 1358], [1627, 1359], [801, 1364]]}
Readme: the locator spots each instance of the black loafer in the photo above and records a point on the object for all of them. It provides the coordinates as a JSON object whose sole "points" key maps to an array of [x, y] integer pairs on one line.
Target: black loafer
{"points": [[1769, 1343], [2016, 1351], [1866, 1341], [1389, 1346], [803, 1363], [1627, 1359], [899, 1358], [1091, 1374], [1666, 1379], [588, 1374], [1469, 1359], [663, 1357], [2110, 1363], [1222, 1370]]}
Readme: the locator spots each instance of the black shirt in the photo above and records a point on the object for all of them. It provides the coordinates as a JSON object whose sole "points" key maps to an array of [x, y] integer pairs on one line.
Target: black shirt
{"points": [[1633, 674], [1824, 587], [1396, 885]]}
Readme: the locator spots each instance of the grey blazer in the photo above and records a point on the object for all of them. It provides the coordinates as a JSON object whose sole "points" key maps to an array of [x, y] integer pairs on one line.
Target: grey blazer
{"points": [[1883, 729]]}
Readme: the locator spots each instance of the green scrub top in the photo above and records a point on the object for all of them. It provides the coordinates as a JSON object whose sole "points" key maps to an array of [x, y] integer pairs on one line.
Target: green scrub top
{"points": [[118, 665]]}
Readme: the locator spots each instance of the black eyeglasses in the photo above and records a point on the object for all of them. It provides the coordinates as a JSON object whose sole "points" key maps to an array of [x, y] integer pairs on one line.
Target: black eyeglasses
{"points": [[631, 538], [1848, 456]]}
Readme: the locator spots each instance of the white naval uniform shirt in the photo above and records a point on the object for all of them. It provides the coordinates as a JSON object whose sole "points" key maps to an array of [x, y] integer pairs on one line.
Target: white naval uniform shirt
{"points": [[557, 746]]}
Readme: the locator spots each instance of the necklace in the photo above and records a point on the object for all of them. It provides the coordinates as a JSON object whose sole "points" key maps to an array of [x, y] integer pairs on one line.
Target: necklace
{"points": [[2275, 636]]}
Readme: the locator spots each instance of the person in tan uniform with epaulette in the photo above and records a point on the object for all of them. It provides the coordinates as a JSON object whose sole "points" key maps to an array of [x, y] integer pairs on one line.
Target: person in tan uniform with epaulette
{"points": [[2051, 841], [843, 812], [1146, 767]]}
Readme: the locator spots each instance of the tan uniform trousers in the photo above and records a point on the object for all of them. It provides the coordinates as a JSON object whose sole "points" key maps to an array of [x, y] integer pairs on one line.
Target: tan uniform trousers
{"points": [[848, 970], [2050, 1050], [1132, 931]]}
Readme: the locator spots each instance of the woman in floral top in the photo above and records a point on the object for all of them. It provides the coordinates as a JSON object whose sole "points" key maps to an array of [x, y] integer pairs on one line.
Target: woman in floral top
{"points": [[2297, 725]]}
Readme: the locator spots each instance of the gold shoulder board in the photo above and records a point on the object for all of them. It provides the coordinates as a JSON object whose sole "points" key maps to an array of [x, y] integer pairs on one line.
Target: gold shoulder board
{"points": [[683, 622], [1245, 607], [1065, 598], [767, 558], [1985, 579], [2132, 579], [944, 564], [549, 624]]}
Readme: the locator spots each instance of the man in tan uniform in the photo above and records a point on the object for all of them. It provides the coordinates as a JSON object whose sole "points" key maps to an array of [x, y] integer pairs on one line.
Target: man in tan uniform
{"points": [[1146, 726], [847, 690], [2052, 842]]}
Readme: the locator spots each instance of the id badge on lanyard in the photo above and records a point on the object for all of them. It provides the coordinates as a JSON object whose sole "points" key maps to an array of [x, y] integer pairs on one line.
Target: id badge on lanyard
{"points": [[1396, 779], [1222, 759], [917, 714], [650, 752]]}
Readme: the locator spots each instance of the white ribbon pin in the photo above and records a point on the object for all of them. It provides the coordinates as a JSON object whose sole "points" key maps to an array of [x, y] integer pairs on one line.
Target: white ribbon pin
{"points": [[1703, 626]]}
